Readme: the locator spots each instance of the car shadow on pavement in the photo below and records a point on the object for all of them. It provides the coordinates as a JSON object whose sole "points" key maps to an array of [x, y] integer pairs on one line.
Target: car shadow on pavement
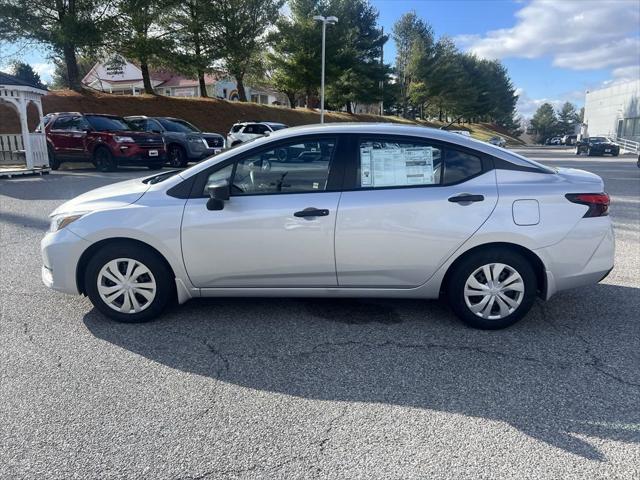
{"points": [[553, 376]]}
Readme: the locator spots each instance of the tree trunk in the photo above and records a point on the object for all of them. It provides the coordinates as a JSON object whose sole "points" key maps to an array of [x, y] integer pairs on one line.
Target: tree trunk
{"points": [[73, 74], [203, 86], [146, 79], [242, 95], [349, 108], [292, 99]]}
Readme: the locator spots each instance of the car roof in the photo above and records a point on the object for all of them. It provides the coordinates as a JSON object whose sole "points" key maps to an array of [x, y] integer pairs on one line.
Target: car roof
{"points": [[245, 122]]}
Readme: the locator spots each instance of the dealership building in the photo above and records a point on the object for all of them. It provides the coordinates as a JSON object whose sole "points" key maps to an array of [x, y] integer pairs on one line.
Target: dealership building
{"points": [[614, 111]]}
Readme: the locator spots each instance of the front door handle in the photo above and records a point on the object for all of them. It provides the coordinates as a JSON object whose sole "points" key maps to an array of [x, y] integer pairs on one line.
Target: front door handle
{"points": [[466, 198], [312, 212]]}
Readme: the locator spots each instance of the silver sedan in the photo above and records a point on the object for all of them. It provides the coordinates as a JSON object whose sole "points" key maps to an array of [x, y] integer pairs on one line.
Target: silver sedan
{"points": [[344, 210]]}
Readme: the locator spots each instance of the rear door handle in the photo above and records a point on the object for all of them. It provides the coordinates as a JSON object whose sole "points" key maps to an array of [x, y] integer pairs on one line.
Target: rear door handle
{"points": [[312, 212], [466, 198]]}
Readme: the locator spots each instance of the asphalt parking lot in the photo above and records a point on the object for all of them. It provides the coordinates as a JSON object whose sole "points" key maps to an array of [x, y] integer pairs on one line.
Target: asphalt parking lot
{"points": [[297, 388]]}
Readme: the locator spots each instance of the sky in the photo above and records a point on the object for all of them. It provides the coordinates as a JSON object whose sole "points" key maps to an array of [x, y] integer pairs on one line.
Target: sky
{"points": [[554, 50]]}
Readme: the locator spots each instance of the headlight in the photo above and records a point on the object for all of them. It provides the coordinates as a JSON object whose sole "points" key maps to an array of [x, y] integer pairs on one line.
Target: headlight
{"points": [[58, 222], [120, 139]]}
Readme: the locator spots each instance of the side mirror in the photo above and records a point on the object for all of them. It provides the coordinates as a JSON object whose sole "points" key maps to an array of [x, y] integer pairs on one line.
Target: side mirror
{"points": [[218, 194]]}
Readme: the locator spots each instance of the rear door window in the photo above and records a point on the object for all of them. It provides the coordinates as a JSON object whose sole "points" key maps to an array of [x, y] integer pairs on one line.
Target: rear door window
{"points": [[398, 162], [389, 163], [63, 123], [460, 166]]}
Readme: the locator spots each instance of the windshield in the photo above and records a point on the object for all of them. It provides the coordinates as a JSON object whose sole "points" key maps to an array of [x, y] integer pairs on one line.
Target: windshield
{"points": [[108, 124], [598, 139], [277, 126], [180, 126]]}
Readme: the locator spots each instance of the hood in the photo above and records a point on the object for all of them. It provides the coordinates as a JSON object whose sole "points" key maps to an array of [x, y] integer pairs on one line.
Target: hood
{"points": [[111, 196]]}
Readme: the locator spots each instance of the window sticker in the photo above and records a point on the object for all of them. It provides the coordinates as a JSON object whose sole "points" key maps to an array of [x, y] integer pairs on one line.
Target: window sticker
{"points": [[366, 180], [387, 167]]}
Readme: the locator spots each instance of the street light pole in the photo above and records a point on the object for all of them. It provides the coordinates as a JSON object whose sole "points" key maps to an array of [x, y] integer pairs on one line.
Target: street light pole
{"points": [[325, 21]]}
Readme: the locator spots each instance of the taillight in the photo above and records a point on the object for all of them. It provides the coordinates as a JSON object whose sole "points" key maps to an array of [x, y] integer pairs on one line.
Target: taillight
{"points": [[598, 203]]}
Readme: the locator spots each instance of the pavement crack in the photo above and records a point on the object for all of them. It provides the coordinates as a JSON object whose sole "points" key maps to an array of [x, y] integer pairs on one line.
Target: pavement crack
{"points": [[322, 444]]}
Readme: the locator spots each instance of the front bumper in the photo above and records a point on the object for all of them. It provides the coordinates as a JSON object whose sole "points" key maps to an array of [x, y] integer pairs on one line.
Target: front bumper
{"points": [[61, 252], [201, 155]]}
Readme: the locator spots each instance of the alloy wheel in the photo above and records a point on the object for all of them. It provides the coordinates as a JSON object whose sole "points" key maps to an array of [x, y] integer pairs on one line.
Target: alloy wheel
{"points": [[494, 291], [126, 285]]}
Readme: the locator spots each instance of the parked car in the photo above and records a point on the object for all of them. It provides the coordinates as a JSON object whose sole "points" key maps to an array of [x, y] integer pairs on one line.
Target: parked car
{"points": [[185, 142], [597, 146], [461, 132], [569, 140], [553, 141], [243, 131], [386, 211], [498, 141], [106, 140]]}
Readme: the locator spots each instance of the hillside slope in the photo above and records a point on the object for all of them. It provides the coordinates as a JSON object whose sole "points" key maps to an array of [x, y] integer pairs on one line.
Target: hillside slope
{"points": [[211, 115]]}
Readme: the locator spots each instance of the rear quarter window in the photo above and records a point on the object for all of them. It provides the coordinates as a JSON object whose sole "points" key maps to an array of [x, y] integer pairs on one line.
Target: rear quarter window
{"points": [[459, 166]]}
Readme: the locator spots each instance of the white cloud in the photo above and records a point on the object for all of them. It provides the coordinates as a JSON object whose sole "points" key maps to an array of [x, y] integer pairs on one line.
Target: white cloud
{"points": [[45, 70], [577, 35], [527, 106]]}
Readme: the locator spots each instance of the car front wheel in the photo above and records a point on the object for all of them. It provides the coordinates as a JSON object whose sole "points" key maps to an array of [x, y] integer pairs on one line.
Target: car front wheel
{"points": [[177, 157], [103, 160], [128, 283], [492, 289]]}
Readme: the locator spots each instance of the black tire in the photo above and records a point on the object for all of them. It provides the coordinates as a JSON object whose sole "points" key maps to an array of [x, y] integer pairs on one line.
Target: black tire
{"points": [[589, 152], [468, 265], [282, 154], [177, 157], [165, 288], [103, 160], [577, 150], [615, 154], [54, 162]]}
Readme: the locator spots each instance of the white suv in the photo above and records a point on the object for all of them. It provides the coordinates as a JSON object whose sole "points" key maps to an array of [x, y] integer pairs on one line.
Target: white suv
{"points": [[243, 131]]}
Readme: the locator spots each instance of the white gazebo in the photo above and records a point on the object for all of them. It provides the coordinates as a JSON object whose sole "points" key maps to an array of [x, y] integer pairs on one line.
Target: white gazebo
{"points": [[25, 151]]}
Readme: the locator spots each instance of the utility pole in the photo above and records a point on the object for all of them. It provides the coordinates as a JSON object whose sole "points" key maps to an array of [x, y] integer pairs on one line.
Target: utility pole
{"points": [[325, 21], [382, 81]]}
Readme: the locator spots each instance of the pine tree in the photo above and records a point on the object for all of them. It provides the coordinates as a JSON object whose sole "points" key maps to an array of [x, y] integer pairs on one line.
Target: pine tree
{"points": [[67, 27], [25, 72], [544, 122]]}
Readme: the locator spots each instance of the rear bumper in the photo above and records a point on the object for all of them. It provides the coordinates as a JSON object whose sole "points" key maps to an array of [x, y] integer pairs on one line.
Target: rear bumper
{"points": [[584, 257]]}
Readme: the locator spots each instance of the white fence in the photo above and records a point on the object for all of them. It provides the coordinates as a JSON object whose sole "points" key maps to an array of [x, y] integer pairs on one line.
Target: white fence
{"points": [[627, 145], [12, 150]]}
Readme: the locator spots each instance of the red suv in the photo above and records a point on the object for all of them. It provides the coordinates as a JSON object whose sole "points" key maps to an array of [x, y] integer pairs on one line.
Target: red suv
{"points": [[106, 140]]}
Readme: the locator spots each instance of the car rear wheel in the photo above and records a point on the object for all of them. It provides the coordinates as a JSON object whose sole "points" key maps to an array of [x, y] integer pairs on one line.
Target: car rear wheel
{"points": [[177, 157], [103, 160], [492, 289], [54, 163], [128, 283]]}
